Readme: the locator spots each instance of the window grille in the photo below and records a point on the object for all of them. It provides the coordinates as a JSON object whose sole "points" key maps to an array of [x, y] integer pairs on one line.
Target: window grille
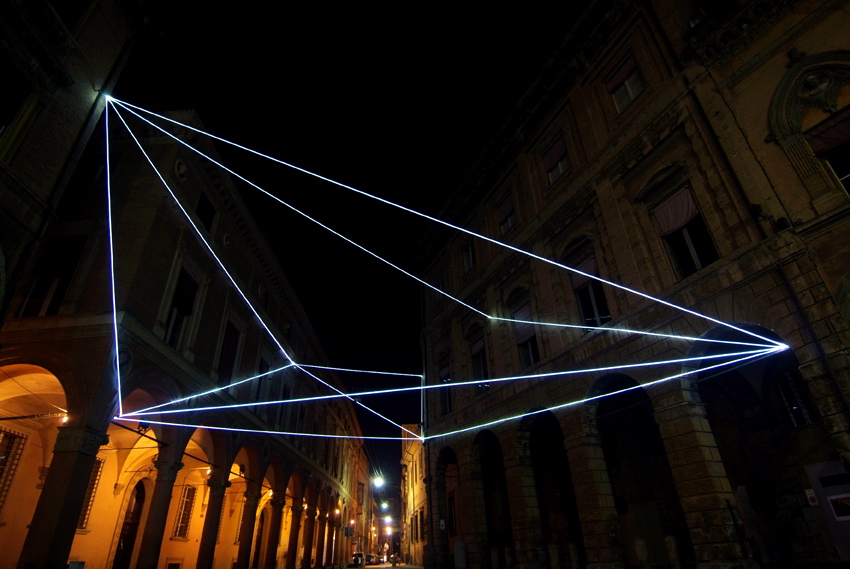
{"points": [[91, 489]]}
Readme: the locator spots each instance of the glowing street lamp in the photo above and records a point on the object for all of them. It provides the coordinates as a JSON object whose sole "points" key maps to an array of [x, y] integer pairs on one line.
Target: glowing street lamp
{"points": [[378, 481]]}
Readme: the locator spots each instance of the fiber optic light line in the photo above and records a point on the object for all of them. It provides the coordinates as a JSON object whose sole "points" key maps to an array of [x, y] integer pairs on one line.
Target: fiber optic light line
{"points": [[595, 397], [269, 432], [396, 267], [461, 229], [304, 215], [204, 241], [112, 258], [302, 366], [629, 331], [350, 398], [209, 392], [423, 388]]}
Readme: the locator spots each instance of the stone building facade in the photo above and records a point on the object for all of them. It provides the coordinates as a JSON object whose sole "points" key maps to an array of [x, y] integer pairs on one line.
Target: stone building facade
{"points": [[81, 487], [414, 500], [698, 153]]}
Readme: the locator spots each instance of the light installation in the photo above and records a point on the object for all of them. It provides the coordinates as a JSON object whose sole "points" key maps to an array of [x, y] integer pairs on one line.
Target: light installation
{"points": [[740, 352]]}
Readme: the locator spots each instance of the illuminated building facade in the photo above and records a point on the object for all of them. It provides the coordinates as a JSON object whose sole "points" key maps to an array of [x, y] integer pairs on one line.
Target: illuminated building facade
{"points": [[414, 506], [697, 152], [77, 486]]}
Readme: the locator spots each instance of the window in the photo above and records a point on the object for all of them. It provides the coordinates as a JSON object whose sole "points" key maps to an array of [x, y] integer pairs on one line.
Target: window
{"points": [[205, 211], [11, 446], [451, 522], [53, 274], [593, 307], [182, 306], [507, 215], [526, 338], [830, 141], [184, 513], [422, 534], [468, 255], [94, 480], [478, 353], [445, 392], [16, 87], [555, 159], [227, 359], [684, 233], [625, 84]]}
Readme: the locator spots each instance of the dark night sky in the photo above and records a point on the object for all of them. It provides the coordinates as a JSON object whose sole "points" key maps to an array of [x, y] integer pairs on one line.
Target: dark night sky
{"points": [[398, 104]]}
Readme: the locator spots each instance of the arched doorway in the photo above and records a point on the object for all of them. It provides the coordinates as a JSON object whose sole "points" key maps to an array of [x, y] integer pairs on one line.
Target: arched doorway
{"points": [[496, 540], [645, 495], [556, 500], [767, 431], [130, 528]]}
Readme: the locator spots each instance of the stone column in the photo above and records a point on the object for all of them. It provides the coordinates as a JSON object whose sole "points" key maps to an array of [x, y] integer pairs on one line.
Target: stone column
{"points": [[53, 526], [704, 490], [320, 541], [270, 561], [332, 541], [212, 519], [154, 532], [309, 530], [292, 546], [246, 533], [595, 500]]}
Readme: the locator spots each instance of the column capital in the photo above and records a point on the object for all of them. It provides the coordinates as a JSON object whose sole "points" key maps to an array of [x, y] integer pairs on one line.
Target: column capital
{"points": [[252, 497], [81, 439], [166, 470], [218, 486], [277, 503]]}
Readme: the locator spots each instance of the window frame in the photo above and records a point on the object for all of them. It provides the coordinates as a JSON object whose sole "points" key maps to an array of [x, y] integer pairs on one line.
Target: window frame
{"points": [[183, 516], [556, 161], [628, 80], [688, 234]]}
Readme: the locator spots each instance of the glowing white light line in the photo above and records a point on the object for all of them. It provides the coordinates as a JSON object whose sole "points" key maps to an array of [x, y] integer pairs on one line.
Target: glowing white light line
{"points": [[578, 402], [629, 331], [457, 384], [302, 366], [204, 241], [226, 272], [301, 213], [216, 390], [396, 267], [267, 432], [350, 398], [461, 229], [112, 258]]}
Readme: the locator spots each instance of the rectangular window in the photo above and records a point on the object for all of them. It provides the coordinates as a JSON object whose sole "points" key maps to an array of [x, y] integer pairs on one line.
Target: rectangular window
{"points": [[590, 295], [184, 513], [684, 233], [182, 306], [422, 534], [16, 88], [507, 215], [479, 363], [526, 338], [227, 360], [53, 274], [625, 84], [11, 447], [556, 159], [468, 255], [91, 489], [205, 211]]}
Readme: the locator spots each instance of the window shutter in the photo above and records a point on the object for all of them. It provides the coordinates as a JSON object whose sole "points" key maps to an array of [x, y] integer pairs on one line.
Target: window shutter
{"points": [[676, 212], [619, 77], [588, 266], [555, 153]]}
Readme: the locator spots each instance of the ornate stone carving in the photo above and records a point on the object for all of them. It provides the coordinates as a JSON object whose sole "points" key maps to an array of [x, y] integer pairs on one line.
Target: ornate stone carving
{"points": [[166, 470], [80, 439]]}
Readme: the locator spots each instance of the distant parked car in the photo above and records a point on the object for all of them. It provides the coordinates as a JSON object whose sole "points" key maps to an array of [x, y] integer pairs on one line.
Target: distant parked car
{"points": [[356, 560], [372, 559]]}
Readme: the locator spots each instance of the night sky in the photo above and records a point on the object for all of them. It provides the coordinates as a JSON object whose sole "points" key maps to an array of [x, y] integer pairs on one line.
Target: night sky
{"points": [[396, 103]]}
